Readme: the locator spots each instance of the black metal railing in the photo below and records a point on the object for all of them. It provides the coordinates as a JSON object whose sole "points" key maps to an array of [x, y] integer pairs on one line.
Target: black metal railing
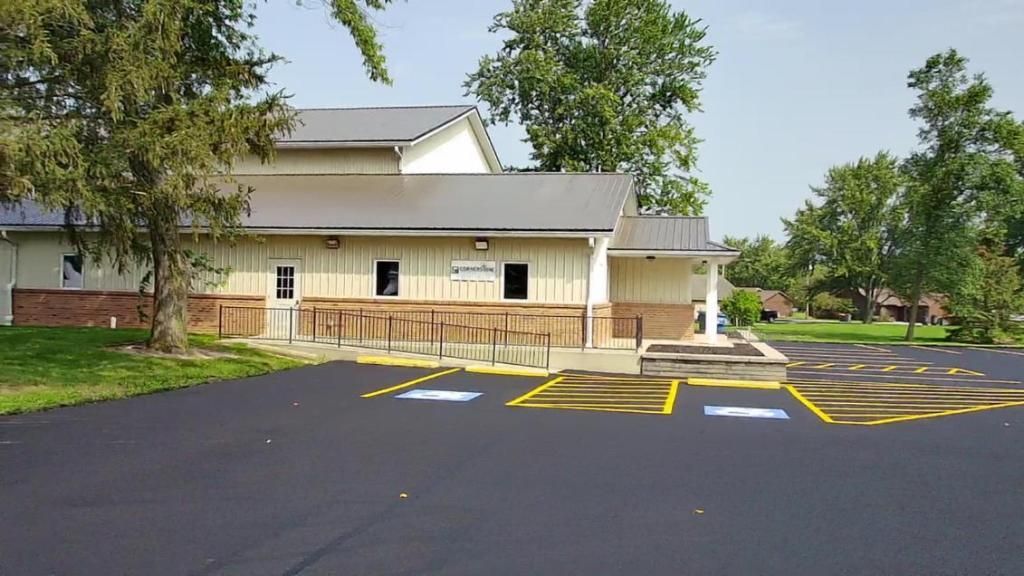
{"points": [[566, 331], [388, 332]]}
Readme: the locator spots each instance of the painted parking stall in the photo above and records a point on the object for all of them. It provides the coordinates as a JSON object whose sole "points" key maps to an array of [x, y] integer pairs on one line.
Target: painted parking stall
{"points": [[635, 395]]}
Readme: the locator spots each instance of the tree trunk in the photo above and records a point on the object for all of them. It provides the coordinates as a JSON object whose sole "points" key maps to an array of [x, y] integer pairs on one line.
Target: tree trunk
{"points": [[912, 321], [868, 312], [169, 331]]}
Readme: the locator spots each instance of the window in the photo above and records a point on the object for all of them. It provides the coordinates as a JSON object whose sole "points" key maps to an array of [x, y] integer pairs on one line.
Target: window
{"points": [[71, 271], [517, 281], [387, 278], [284, 282]]}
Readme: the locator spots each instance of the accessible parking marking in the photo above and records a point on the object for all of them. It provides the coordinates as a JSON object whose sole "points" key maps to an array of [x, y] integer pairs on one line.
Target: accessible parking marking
{"points": [[869, 403], [637, 395], [414, 382]]}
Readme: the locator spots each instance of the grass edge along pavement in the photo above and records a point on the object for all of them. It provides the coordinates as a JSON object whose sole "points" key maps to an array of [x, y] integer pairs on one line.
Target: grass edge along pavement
{"points": [[858, 333], [42, 368]]}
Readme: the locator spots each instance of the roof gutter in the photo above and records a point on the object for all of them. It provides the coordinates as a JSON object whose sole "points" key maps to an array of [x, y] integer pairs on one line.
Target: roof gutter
{"points": [[8, 291]]}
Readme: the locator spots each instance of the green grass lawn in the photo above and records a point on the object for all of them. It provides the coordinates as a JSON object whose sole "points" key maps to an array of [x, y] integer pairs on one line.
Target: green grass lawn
{"points": [[853, 332], [48, 367]]}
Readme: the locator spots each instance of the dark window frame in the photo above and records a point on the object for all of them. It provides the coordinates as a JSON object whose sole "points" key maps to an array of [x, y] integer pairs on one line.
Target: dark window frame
{"points": [[378, 287], [505, 286], [81, 271]]}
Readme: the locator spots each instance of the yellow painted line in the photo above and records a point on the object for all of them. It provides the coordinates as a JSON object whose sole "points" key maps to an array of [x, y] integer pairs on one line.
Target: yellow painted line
{"points": [[923, 404], [820, 366], [909, 377], [670, 403], [752, 384], [810, 406], [906, 394], [857, 366], [614, 386], [535, 391], [633, 410], [998, 351], [410, 383], [395, 361], [889, 368], [921, 370], [826, 356], [875, 348], [606, 396], [946, 413], [892, 384], [795, 364], [936, 349], [901, 409], [953, 371], [572, 380], [499, 371], [844, 389], [575, 375]]}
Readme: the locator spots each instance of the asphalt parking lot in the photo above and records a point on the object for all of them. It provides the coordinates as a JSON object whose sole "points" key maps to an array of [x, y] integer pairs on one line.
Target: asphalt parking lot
{"points": [[304, 472]]}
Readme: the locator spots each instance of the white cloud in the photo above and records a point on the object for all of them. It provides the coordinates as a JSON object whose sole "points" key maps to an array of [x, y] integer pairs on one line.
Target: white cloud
{"points": [[762, 24]]}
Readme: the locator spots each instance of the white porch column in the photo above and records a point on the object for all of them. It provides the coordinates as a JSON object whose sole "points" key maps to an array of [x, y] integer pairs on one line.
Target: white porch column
{"points": [[597, 283], [711, 304]]}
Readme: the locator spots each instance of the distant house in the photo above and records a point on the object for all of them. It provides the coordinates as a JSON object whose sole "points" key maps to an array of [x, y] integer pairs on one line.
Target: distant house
{"points": [[774, 300], [890, 306], [777, 301]]}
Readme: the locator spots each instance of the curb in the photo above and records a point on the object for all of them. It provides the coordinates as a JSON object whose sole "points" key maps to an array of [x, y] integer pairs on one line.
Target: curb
{"points": [[496, 370], [391, 361], [751, 384]]}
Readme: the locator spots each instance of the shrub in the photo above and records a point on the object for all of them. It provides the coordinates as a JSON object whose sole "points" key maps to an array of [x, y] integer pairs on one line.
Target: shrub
{"points": [[828, 306], [743, 308]]}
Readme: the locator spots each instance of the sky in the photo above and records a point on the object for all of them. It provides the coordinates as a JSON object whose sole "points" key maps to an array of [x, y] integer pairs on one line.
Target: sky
{"points": [[798, 85]]}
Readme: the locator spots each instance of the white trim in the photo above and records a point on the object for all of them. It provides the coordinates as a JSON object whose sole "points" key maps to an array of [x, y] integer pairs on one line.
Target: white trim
{"points": [[60, 272], [726, 256], [8, 318], [374, 288], [272, 264], [582, 234], [440, 127], [501, 287]]}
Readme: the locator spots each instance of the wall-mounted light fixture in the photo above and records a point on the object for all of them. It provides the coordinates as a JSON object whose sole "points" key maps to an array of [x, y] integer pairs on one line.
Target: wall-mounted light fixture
{"points": [[332, 243], [481, 244], [652, 257]]}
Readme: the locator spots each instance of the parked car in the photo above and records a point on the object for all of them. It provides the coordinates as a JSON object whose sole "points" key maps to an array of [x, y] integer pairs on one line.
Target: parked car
{"points": [[769, 315]]}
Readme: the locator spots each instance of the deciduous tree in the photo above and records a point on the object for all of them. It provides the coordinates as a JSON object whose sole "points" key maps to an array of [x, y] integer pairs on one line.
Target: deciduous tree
{"points": [[851, 229], [762, 263], [603, 86]]}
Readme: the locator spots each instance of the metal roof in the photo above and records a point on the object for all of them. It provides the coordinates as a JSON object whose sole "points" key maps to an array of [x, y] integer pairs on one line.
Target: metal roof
{"points": [[390, 126], [433, 203], [665, 234]]}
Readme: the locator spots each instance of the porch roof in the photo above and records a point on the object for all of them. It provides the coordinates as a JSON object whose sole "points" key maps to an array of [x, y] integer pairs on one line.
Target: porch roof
{"points": [[681, 236]]}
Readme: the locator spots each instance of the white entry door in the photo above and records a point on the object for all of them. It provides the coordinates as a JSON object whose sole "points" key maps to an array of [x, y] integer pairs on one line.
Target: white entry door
{"points": [[284, 295]]}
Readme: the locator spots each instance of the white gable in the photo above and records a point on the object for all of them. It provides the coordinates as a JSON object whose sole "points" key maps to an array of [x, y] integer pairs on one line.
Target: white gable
{"points": [[455, 149]]}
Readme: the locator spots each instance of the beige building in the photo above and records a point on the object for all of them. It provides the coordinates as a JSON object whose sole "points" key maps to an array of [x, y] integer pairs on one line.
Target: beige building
{"points": [[403, 210]]}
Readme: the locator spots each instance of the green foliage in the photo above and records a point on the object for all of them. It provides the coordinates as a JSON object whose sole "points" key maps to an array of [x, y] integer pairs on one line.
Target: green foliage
{"points": [[851, 231], [958, 183], [127, 115], [763, 263], [603, 87], [743, 307], [986, 303], [826, 305]]}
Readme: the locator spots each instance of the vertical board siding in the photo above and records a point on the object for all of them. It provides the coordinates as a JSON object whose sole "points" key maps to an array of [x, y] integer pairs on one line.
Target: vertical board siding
{"points": [[558, 267], [335, 161], [661, 281], [453, 150]]}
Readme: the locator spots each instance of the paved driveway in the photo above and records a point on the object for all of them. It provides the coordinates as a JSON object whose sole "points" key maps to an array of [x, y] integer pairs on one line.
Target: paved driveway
{"points": [[295, 473]]}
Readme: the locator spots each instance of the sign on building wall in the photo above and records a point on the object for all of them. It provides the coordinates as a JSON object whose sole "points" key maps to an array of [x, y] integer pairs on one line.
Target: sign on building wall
{"points": [[474, 271]]}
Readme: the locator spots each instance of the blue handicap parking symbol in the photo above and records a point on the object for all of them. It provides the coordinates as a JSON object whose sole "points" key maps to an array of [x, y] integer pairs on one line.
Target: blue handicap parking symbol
{"points": [[444, 395], [738, 412]]}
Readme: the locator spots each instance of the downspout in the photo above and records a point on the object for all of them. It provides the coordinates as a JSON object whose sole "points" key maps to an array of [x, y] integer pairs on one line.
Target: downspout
{"points": [[401, 158], [8, 318], [588, 337]]}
